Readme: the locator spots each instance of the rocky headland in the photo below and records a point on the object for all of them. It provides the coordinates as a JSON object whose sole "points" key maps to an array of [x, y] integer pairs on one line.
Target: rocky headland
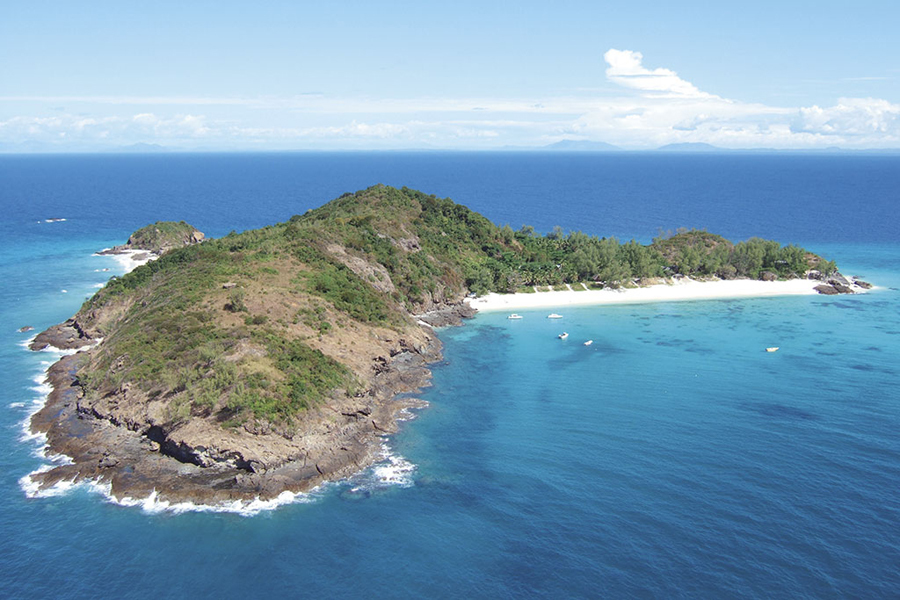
{"points": [[150, 242]]}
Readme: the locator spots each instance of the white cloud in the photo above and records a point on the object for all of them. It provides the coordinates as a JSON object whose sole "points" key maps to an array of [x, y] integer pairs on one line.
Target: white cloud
{"points": [[139, 127], [649, 108], [354, 129], [666, 109], [626, 68], [851, 117]]}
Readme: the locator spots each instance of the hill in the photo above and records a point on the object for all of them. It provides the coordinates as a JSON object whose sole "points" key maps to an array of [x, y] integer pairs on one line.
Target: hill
{"points": [[271, 360]]}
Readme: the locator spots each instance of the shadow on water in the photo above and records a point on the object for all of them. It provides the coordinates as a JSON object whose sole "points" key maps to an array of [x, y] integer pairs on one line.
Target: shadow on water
{"points": [[579, 354], [778, 411], [870, 368], [857, 306], [674, 343]]}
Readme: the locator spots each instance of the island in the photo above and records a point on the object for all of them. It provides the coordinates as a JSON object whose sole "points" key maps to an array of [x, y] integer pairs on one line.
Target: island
{"points": [[238, 369]]}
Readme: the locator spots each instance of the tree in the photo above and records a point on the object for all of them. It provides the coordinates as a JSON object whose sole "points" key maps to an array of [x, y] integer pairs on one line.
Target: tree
{"points": [[556, 234]]}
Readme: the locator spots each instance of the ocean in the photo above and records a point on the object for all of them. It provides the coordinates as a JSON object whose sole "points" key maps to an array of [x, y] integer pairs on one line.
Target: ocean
{"points": [[674, 457]]}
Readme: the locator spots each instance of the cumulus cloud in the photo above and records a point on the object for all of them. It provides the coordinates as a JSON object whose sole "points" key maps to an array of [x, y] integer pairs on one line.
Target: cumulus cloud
{"points": [[660, 107], [850, 117], [626, 68]]}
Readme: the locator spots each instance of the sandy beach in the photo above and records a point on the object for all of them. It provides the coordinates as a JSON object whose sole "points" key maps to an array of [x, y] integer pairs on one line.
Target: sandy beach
{"points": [[678, 290]]}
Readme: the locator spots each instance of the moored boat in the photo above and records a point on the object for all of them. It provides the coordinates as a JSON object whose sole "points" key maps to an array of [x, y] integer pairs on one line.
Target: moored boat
{"points": [[563, 335]]}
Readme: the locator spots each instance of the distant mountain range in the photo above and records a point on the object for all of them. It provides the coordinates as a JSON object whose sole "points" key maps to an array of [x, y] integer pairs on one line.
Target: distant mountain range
{"points": [[142, 148], [582, 146], [568, 145], [690, 147]]}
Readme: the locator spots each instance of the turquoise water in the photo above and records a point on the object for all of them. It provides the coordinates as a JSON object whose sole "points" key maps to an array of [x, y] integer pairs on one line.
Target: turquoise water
{"points": [[672, 457]]}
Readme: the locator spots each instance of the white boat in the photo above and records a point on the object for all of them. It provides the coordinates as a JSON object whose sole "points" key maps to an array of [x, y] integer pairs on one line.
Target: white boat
{"points": [[772, 349], [563, 335], [554, 316], [589, 342], [514, 316]]}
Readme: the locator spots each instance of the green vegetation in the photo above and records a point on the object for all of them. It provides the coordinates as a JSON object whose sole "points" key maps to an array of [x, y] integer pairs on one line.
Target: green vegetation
{"points": [[162, 236], [364, 260]]}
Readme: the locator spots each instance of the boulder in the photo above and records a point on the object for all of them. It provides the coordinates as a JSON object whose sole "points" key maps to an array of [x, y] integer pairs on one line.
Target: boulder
{"points": [[842, 289], [826, 289], [768, 276]]}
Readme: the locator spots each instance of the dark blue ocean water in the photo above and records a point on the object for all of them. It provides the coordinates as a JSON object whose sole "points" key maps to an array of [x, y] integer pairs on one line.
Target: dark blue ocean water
{"points": [[673, 457]]}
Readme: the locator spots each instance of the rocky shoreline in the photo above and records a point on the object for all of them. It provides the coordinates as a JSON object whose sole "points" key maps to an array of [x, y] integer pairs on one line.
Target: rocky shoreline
{"points": [[337, 440], [264, 363]]}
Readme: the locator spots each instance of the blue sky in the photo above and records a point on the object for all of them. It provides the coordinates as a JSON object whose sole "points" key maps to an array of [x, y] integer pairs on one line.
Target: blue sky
{"points": [[463, 75]]}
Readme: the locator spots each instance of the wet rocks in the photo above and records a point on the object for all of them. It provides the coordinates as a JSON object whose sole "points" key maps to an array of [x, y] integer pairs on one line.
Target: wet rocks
{"points": [[838, 284]]}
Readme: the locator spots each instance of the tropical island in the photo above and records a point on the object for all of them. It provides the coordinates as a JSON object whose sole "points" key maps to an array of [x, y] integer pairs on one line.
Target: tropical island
{"points": [[269, 361]]}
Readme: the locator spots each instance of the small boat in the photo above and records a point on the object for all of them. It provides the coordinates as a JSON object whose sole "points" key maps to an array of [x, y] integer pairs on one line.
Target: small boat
{"points": [[563, 335], [554, 316], [772, 349], [514, 316], [589, 342]]}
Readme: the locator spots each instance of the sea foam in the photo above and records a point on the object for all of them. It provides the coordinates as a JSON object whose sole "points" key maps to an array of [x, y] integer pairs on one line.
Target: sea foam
{"points": [[127, 259]]}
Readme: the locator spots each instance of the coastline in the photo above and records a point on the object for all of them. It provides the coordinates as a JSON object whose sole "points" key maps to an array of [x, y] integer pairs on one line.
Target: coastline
{"points": [[128, 258], [81, 448], [679, 290], [167, 484]]}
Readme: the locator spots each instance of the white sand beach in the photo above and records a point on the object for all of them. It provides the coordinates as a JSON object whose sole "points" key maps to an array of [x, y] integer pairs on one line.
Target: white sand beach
{"points": [[677, 290]]}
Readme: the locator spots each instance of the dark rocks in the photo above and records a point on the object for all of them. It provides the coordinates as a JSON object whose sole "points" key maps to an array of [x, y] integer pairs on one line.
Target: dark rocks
{"points": [[838, 284], [768, 276], [26, 328], [107, 462], [838, 279], [447, 316], [65, 336], [828, 290]]}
